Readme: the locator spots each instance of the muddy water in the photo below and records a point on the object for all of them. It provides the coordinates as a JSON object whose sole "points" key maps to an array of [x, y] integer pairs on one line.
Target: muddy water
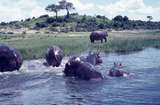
{"points": [[36, 84]]}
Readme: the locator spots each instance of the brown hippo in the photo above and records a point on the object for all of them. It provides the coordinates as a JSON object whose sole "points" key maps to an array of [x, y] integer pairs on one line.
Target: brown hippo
{"points": [[10, 59], [98, 35], [117, 71], [54, 56], [81, 70]]}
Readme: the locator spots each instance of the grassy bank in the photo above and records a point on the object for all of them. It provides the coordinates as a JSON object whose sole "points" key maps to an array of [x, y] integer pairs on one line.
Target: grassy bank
{"points": [[33, 46]]}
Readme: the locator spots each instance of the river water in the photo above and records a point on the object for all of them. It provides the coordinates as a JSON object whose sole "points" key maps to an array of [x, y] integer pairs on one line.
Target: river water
{"points": [[35, 84]]}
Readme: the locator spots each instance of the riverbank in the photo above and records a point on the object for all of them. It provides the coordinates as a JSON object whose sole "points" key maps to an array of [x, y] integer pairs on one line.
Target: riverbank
{"points": [[33, 46]]}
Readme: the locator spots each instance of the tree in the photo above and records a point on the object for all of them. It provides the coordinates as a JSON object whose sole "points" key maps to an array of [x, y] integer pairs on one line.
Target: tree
{"points": [[68, 6], [53, 8], [118, 18], [149, 18], [125, 18]]}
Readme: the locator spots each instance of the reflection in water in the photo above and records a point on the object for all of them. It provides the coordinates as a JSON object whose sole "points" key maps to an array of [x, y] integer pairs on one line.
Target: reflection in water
{"points": [[36, 84]]}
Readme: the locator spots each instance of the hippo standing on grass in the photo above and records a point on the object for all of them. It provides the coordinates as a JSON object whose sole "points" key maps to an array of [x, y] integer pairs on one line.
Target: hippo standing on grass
{"points": [[81, 70], [54, 56], [10, 59], [98, 35]]}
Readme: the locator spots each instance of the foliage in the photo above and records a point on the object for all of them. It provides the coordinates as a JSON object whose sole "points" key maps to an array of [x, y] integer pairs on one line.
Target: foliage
{"points": [[82, 23], [150, 18], [68, 6], [53, 8]]}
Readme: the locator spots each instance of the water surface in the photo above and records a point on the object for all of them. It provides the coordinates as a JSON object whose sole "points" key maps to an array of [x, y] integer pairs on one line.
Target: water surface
{"points": [[36, 84]]}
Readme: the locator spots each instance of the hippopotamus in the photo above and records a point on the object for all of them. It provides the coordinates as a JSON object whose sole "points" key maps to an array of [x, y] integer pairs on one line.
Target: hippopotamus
{"points": [[10, 58], [81, 70], [54, 56], [98, 35], [92, 57], [117, 71]]}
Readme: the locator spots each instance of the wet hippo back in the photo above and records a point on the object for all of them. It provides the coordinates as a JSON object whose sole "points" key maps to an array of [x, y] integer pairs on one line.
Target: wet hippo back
{"points": [[54, 56], [80, 69], [10, 59]]}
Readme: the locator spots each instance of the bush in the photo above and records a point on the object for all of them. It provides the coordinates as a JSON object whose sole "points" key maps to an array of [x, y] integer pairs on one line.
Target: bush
{"points": [[10, 33], [3, 23], [41, 25], [50, 20], [24, 32], [44, 16]]}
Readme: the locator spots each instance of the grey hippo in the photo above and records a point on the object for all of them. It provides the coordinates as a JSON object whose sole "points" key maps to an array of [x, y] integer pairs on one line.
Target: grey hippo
{"points": [[98, 35], [81, 70], [83, 67], [10, 58], [54, 56], [92, 57]]}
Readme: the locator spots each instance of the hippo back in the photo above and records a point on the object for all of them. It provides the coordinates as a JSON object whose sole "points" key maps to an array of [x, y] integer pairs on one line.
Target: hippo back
{"points": [[10, 59], [54, 56], [98, 34], [80, 69], [87, 72]]}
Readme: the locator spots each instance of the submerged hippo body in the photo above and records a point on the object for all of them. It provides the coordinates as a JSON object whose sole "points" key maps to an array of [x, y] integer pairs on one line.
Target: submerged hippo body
{"points": [[98, 35], [54, 56], [118, 73], [92, 58], [10, 59], [81, 70]]}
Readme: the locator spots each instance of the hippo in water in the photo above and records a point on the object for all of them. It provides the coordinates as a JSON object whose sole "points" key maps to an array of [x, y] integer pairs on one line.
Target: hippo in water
{"points": [[98, 35], [93, 58], [81, 70], [10, 59], [116, 71], [54, 56]]}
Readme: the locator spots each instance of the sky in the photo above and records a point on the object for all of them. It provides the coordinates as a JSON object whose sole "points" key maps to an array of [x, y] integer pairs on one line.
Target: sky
{"points": [[11, 10]]}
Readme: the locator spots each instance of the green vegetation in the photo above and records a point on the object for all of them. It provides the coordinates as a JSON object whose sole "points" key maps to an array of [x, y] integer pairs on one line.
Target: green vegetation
{"points": [[80, 23], [33, 46]]}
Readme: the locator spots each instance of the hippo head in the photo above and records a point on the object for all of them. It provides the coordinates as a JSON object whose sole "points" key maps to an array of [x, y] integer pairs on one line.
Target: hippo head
{"points": [[81, 70], [117, 71], [10, 59], [94, 58], [54, 56], [71, 66]]}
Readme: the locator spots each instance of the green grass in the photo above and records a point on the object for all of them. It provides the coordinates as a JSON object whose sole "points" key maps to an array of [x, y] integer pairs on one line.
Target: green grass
{"points": [[33, 46]]}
